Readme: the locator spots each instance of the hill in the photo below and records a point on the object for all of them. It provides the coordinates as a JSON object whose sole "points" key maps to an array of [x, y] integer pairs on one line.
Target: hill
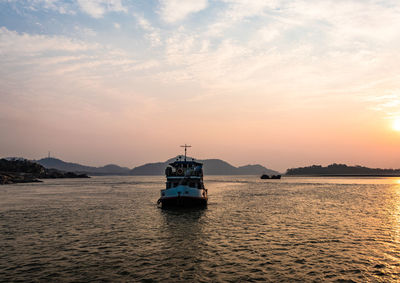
{"points": [[25, 171], [342, 170], [58, 164], [211, 167]]}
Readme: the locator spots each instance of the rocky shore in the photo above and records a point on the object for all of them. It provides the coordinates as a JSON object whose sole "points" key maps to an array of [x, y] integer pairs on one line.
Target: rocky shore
{"points": [[24, 171]]}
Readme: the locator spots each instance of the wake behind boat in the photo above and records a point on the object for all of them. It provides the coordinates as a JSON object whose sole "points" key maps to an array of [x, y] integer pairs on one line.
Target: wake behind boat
{"points": [[184, 185]]}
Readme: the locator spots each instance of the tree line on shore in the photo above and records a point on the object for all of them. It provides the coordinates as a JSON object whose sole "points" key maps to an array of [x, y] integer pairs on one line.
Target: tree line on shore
{"points": [[25, 171], [342, 169]]}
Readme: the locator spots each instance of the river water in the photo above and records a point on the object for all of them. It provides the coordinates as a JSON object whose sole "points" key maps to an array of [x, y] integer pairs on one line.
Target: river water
{"points": [[110, 229]]}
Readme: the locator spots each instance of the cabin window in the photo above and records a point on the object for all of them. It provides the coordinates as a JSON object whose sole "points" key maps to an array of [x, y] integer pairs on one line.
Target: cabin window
{"points": [[175, 185], [192, 185]]}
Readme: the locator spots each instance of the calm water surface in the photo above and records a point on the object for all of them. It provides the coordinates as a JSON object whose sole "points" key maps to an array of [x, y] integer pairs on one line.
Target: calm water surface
{"points": [[109, 229]]}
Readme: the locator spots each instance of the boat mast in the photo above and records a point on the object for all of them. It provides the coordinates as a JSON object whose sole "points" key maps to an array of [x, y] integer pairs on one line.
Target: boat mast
{"points": [[185, 146]]}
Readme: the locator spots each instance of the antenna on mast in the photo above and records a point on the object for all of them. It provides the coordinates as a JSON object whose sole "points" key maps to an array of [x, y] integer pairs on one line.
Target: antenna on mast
{"points": [[185, 146]]}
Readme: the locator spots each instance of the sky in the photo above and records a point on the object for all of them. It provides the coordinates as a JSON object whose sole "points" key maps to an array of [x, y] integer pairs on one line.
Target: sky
{"points": [[281, 83]]}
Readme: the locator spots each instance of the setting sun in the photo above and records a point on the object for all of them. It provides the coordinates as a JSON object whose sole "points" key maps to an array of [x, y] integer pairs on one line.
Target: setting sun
{"points": [[396, 124]]}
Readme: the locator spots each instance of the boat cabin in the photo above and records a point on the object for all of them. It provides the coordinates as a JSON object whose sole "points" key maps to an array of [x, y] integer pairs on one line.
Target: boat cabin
{"points": [[186, 173]]}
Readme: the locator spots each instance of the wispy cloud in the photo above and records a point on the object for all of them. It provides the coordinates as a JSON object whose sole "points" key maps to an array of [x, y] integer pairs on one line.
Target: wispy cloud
{"points": [[57, 65], [387, 103], [97, 8], [258, 61], [94, 8], [175, 10], [55, 5], [152, 34], [12, 42]]}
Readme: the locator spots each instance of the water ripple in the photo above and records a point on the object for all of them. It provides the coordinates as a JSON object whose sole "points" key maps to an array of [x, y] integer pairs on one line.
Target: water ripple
{"points": [[109, 229]]}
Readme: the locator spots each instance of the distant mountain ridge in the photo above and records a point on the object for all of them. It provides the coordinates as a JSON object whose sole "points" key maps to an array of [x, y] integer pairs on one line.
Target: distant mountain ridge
{"points": [[342, 170], [211, 167], [19, 170], [110, 169]]}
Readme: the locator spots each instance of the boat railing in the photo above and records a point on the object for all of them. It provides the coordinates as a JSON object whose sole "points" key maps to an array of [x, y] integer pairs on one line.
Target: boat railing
{"points": [[183, 173]]}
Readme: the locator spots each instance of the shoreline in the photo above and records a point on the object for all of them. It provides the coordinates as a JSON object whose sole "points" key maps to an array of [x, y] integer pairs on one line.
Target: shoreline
{"points": [[343, 175]]}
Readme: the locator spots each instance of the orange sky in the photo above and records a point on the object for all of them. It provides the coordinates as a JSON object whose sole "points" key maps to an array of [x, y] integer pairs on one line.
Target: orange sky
{"points": [[270, 82]]}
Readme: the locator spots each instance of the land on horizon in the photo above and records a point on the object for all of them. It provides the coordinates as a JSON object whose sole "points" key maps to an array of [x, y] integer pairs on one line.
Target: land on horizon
{"points": [[211, 167], [219, 167], [14, 170], [342, 170]]}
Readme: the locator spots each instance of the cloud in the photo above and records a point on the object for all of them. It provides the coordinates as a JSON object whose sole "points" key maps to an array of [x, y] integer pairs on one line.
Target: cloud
{"points": [[152, 34], [318, 46], [350, 22], [175, 10], [236, 11], [387, 103], [12, 42], [94, 8], [260, 62], [55, 83], [293, 52], [84, 31], [97, 8], [54, 66], [39, 5]]}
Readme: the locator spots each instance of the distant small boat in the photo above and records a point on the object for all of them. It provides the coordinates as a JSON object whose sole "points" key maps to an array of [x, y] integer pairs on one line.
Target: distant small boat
{"points": [[265, 176]]}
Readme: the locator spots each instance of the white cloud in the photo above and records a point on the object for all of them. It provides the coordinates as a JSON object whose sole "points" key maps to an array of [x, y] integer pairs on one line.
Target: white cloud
{"points": [[349, 21], [84, 31], [317, 46], [295, 52], [36, 5], [152, 34], [12, 42], [388, 103], [238, 11], [176, 10], [32, 62], [97, 8]]}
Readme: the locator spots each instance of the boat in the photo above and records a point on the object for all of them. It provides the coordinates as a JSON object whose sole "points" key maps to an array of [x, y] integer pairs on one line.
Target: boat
{"points": [[265, 176], [184, 184]]}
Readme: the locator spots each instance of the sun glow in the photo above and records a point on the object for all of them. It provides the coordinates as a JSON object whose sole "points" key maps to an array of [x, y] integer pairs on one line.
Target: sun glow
{"points": [[396, 124]]}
